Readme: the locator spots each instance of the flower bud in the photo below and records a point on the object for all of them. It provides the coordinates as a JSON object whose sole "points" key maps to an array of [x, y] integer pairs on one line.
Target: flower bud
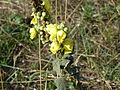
{"points": [[62, 25], [65, 29], [41, 28], [41, 33], [43, 3], [43, 14], [42, 18], [42, 39], [38, 15], [34, 9], [43, 42], [47, 22]]}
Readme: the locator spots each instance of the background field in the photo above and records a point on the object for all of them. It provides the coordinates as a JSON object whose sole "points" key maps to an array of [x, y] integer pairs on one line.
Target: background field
{"points": [[94, 25]]}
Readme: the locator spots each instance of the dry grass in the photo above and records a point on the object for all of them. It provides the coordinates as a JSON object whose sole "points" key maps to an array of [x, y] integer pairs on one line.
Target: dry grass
{"points": [[95, 28]]}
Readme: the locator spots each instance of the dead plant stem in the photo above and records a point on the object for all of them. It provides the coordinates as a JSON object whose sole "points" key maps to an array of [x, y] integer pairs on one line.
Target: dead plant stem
{"points": [[40, 63]]}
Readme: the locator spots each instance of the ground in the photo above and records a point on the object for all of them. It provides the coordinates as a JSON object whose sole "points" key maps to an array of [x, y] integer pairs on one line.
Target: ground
{"points": [[94, 25]]}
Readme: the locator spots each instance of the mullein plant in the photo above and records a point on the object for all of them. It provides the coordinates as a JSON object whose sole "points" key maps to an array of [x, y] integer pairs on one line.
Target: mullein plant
{"points": [[53, 33], [56, 35]]}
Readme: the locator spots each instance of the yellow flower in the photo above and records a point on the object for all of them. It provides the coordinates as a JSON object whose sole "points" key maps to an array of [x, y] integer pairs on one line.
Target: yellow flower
{"points": [[54, 47], [61, 35], [52, 30], [34, 21], [68, 46], [52, 37], [33, 33]]}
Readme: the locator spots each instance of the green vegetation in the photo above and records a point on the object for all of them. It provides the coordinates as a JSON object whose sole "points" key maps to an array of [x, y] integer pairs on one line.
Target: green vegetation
{"points": [[94, 25]]}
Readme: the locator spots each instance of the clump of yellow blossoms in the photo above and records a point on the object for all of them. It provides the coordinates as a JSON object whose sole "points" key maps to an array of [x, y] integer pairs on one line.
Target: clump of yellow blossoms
{"points": [[57, 34], [59, 39], [33, 33], [34, 21], [52, 30]]}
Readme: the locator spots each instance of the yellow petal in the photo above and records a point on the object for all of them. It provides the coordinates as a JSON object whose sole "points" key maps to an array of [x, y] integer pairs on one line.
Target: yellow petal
{"points": [[32, 36], [67, 51], [34, 21], [61, 35], [32, 30], [33, 33], [52, 37], [52, 30], [68, 46], [54, 47]]}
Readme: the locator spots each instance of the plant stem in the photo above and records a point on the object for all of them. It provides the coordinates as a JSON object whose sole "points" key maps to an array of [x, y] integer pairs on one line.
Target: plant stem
{"points": [[66, 10], [46, 80], [56, 10], [40, 63], [1, 79]]}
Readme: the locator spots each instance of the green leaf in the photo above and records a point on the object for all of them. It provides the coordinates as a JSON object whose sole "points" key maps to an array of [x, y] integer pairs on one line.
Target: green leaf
{"points": [[51, 85], [56, 66], [70, 85], [57, 63], [60, 83], [47, 5]]}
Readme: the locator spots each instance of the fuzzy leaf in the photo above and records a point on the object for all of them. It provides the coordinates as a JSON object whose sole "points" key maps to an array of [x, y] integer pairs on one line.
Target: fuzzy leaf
{"points": [[47, 5], [56, 66], [60, 83]]}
